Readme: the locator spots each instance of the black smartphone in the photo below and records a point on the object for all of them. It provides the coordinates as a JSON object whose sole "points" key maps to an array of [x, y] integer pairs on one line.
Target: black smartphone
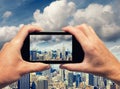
{"points": [[52, 47]]}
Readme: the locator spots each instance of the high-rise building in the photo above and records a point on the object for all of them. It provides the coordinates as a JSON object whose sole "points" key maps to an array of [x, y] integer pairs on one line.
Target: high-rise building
{"points": [[96, 81], [60, 55], [33, 54], [62, 73], [41, 57], [24, 83], [42, 84], [54, 54], [33, 86], [63, 52], [91, 79], [33, 77], [78, 80], [70, 79], [101, 83]]}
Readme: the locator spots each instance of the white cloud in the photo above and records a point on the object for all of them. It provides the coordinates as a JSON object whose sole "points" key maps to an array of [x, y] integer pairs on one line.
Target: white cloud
{"points": [[61, 13], [54, 16], [116, 51], [115, 48], [7, 14], [64, 12], [101, 18], [7, 33]]}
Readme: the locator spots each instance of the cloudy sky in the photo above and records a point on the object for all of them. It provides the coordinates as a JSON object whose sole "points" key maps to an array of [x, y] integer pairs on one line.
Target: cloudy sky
{"points": [[52, 15], [50, 42]]}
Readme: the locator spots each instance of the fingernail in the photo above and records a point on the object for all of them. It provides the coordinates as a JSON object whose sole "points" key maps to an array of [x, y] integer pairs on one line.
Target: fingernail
{"points": [[47, 66], [62, 66]]}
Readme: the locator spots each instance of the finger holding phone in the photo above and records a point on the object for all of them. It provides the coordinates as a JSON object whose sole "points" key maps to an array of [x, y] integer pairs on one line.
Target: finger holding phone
{"points": [[12, 65], [98, 59]]}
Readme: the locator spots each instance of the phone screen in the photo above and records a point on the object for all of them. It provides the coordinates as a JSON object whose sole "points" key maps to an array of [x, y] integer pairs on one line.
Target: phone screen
{"points": [[50, 47]]}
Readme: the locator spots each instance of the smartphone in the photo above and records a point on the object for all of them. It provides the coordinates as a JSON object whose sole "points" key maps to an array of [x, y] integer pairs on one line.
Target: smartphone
{"points": [[52, 48]]}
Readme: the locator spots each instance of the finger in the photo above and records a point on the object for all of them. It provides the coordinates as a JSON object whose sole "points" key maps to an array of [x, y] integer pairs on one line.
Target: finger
{"points": [[77, 33], [22, 34], [33, 67], [85, 29], [79, 67], [93, 32]]}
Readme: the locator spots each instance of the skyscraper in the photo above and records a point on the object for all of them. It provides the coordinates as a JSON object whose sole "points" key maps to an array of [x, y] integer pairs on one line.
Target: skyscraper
{"points": [[70, 79], [33, 86], [91, 79], [24, 83], [42, 84], [33, 54], [62, 73], [78, 80], [63, 52]]}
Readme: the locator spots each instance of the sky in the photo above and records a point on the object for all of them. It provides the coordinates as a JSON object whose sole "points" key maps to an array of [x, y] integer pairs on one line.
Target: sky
{"points": [[52, 15], [50, 42]]}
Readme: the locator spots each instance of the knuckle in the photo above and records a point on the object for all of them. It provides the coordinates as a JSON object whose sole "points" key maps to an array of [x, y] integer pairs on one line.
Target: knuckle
{"points": [[76, 31], [91, 49], [6, 44], [14, 41], [24, 26], [84, 25]]}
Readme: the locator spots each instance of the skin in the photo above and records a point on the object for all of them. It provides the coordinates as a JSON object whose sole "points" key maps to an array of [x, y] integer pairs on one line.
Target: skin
{"points": [[12, 65], [98, 60]]}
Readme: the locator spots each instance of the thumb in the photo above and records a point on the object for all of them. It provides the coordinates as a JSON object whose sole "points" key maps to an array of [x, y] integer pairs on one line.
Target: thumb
{"points": [[33, 67], [79, 67]]}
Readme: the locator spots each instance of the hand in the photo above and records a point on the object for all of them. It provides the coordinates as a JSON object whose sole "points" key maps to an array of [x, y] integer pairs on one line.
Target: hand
{"points": [[12, 66], [98, 59]]}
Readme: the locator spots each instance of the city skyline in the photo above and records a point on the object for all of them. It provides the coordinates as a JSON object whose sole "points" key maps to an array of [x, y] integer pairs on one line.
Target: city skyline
{"points": [[51, 55], [53, 15], [64, 79]]}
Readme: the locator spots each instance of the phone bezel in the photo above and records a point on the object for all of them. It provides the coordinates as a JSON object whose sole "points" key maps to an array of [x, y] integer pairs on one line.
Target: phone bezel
{"points": [[77, 51]]}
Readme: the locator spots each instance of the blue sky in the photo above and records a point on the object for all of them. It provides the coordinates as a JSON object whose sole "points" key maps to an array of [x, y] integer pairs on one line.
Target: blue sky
{"points": [[22, 10], [52, 15]]}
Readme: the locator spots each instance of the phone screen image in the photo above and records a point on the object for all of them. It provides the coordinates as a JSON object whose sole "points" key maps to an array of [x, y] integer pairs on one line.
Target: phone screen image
{"points": [[50, 47]]}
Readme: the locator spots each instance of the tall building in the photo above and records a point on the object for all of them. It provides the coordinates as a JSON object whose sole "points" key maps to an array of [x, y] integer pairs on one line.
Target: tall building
{"points": [[58, 54], [33, 55], [96, 78], [33, 86], [54, 54], [63, 52], [24, 82], [91, 79], [70, 79], [62, 73], [42, 84], [78, 80], [101, 83], [41, 57], [33, 77]]}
